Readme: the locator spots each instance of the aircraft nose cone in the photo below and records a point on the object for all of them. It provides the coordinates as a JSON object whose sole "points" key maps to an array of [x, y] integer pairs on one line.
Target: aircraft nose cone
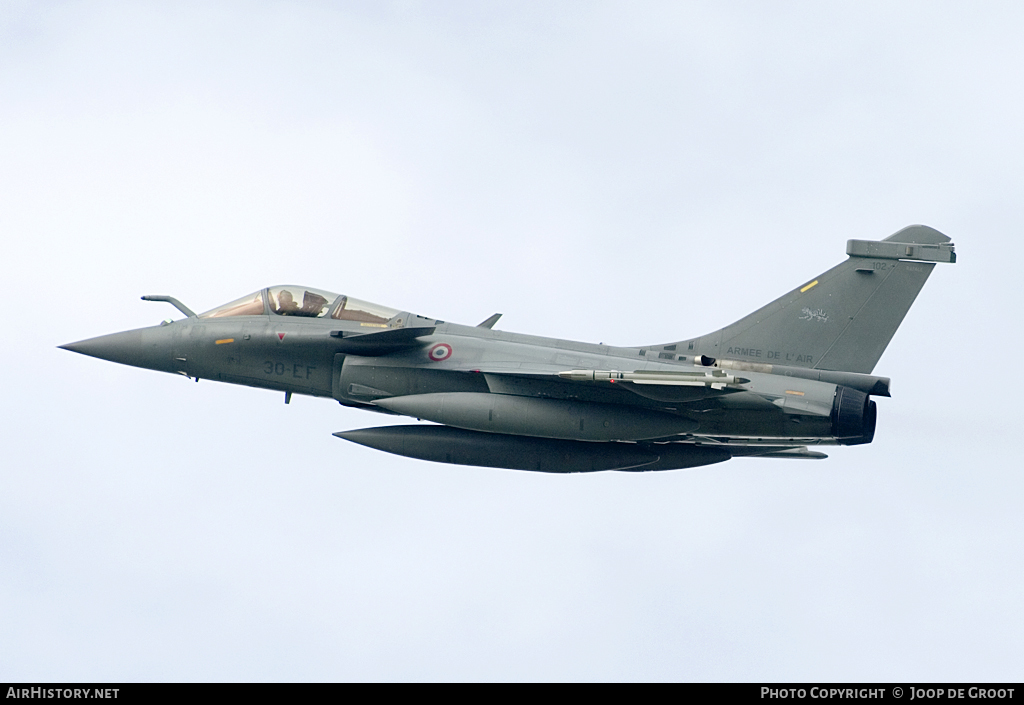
{"points": [[138, 348], [118, 347]]}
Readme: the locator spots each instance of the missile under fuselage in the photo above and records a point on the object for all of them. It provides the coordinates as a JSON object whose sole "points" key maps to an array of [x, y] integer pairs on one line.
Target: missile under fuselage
{"points": [[716, 379], [444, 444]]}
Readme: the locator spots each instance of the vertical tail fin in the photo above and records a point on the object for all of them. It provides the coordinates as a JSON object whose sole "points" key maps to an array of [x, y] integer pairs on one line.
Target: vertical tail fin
{"points": [[842, 319]]}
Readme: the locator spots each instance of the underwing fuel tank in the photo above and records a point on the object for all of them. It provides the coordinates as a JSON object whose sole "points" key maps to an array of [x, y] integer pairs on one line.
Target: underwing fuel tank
{"points": [[456, 446], [543, 418]]}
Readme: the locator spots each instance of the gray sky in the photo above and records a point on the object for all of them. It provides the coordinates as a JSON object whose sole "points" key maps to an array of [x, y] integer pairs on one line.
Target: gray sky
{"points": [[624, 173]]}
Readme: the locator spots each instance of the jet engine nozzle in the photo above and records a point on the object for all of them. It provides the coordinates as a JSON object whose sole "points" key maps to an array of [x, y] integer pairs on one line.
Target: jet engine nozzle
{"points": [[853, 416]]}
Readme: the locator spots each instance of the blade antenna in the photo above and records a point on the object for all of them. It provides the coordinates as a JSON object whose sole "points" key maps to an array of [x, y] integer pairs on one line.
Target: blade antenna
{"points": [[489, 323]]}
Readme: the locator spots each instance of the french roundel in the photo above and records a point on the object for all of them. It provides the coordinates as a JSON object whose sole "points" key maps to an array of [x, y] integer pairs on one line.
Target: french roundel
{"points": [[441, 351]]}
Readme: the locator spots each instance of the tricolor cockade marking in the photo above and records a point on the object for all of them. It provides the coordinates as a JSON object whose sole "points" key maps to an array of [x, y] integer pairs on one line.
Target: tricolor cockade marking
{"points": [[441, 351]]}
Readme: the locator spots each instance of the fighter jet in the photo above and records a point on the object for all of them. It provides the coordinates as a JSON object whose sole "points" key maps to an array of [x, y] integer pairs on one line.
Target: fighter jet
{"points": [[792, 375]]}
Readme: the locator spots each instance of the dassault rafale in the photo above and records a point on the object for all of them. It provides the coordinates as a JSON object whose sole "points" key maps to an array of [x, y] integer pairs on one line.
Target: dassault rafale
{"points": [[792, 375]]}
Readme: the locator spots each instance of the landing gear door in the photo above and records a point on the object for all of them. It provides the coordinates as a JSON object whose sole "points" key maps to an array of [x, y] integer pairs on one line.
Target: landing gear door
{"points": [[180, 348]]}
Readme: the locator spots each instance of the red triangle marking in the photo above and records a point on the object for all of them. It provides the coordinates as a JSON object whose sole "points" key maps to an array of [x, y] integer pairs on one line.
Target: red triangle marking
{"points": [[280, 336]]}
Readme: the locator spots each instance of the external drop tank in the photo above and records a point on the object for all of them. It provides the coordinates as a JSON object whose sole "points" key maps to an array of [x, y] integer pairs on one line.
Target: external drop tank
{"points": [[443, 444]]}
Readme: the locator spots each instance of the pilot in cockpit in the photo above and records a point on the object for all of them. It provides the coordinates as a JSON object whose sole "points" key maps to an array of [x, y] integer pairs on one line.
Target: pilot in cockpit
{"points": [[286, 303]]}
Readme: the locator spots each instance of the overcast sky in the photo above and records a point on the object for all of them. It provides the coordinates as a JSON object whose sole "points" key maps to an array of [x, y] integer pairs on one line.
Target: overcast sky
{"points": [[625, 173]]}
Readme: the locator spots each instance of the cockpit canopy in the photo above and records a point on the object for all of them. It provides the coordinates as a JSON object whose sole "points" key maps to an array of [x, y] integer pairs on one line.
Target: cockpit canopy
{"points": [[299, 301], [251, 305], [305, 302]]}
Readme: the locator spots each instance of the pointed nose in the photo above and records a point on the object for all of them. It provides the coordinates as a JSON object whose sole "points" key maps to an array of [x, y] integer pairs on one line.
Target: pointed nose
{"points": [[144, 347]]}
